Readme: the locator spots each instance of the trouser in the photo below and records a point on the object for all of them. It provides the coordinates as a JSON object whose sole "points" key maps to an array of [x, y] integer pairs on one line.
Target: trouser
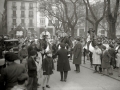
{"points": [[77, 67], [32, 83], [65, 75], [46, 80], [90, 55]]}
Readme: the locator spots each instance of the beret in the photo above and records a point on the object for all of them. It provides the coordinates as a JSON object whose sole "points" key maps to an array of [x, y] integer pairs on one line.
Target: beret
{"points": [[10, 56], [33, 52], [111, 46]]}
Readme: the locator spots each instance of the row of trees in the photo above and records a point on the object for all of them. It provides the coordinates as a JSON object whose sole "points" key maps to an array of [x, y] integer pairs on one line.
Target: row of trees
{"points": [[71, 13]]}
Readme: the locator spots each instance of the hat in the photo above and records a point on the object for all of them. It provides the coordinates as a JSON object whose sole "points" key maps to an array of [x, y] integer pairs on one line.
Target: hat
{"points": [[23, 46], [78, 38], [10, 56], [21, 79], [104, 47], [62, 45], [111, 46], [33, 52]]}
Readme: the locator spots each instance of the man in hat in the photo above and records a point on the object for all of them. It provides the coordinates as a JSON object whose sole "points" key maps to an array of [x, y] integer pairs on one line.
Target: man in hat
{"points": [[32, 71], [77, 55], [12, 71]]}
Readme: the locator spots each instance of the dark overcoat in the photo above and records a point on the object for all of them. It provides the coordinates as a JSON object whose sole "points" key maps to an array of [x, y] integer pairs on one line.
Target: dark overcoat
{"points": [[77, 53], [10, 75], [106, 60], [48, 66], [63, 62]]}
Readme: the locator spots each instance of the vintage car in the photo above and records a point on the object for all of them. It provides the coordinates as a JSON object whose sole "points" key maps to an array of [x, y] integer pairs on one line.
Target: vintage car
{"points": [[11, 45]]}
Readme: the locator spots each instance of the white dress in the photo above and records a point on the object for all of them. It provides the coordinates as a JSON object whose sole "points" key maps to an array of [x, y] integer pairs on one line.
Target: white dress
{"points": [[96, 56]]}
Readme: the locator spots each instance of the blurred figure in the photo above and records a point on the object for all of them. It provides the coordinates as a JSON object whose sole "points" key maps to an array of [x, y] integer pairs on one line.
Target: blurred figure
{"points": [[77, 55], [10, 74]]}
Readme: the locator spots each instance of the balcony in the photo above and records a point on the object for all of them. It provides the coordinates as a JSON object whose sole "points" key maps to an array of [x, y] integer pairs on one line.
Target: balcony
{"points": [[14, 7], [14, 16], [22, 7]]}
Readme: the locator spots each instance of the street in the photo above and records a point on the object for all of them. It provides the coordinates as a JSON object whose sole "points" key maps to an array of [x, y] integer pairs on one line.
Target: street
{"points": [[85, 80]]}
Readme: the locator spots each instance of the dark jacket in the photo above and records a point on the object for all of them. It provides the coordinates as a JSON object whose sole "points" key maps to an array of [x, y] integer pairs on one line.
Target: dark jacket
{"points": [[30, 48], [63, 62], [77, 53], [48, 66], [32, 68], [10, 75]]}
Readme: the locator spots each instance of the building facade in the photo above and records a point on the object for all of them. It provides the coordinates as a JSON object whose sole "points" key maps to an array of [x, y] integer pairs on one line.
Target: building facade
{"points": [[26, 13]]}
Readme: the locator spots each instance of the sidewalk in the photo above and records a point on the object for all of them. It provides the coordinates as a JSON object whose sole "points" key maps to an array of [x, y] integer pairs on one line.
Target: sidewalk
{"points": [[114, 76]]}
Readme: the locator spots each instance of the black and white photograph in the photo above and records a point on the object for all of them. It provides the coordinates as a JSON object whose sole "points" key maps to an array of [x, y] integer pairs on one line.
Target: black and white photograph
{"points": [[59, 44]]}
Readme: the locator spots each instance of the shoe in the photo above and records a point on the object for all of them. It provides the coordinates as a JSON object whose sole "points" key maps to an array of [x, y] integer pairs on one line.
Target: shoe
{"points": [[61, 80], [43, 88], [47, 86], [65, 80]]}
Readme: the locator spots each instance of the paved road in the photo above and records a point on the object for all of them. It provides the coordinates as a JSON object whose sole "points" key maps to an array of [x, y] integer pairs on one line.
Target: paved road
{"points": [[85, 80]]}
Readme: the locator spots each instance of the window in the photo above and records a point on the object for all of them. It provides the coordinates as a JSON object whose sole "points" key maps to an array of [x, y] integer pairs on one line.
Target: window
{"points": [[30, 5], [14, 5], [14, 22], [31, 22], [30, 13], [42, 21], [22, 21], [22, 5], [22, 13], [14, 13]]}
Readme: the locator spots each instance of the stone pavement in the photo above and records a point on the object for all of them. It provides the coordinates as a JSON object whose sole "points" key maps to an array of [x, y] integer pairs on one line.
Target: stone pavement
{"points": [[115, 71], [85, 80]]}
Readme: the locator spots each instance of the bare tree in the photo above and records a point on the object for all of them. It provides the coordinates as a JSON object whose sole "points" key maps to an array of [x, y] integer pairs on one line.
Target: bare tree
{"points": [[111, 17], [92, 17]]}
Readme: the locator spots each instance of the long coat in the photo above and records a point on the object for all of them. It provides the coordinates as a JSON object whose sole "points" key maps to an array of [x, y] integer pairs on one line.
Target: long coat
{"points": [[77, 53], [10, 74], [48, 66], [63, 62], [106, 59], [97, 56]]}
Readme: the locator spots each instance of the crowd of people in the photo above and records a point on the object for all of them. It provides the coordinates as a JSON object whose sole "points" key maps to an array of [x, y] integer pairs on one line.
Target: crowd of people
{"points": [[37, 61]]}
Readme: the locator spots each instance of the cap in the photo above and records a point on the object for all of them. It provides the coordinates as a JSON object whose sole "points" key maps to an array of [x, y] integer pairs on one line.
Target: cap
{"points": [[10, 56]]}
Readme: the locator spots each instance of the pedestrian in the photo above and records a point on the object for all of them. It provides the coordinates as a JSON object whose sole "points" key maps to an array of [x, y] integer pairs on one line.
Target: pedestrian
{"points": [[96, 57], [105, 61], [63, 65], [112, 53], [118, 61], [77, 55], [32, 71], [47, 67], [22, 82], [10, 74], [23, 53]]}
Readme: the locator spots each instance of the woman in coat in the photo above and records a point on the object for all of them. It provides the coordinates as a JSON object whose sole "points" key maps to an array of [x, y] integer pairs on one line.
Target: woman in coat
{"points": [[96, 57], [63, 65]]}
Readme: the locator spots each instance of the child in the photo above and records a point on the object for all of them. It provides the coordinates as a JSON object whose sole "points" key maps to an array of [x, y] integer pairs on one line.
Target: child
{"points": [[22, 82], [47, 67]]}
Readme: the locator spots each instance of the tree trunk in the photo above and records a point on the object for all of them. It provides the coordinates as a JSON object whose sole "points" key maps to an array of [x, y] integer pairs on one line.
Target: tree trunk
{"points": [[95, 27], [112, 30], [72, 32]]}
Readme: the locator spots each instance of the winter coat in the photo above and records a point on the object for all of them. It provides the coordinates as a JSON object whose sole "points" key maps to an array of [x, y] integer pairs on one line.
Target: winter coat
{"points": [[106, 59], [96, 56], [47, 66], [77, 53], [63, 62]]}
